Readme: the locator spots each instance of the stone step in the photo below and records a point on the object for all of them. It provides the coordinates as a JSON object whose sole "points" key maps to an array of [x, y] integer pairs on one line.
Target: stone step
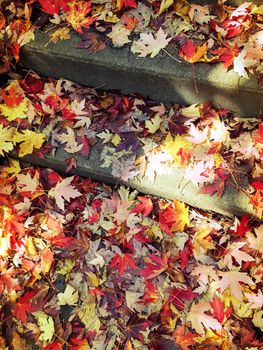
{"points": [[173, 186], [160, 78]]}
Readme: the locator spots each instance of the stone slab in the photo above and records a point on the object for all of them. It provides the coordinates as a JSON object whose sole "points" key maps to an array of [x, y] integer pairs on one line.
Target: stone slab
{"points": [[173, 186], [161, 78]]}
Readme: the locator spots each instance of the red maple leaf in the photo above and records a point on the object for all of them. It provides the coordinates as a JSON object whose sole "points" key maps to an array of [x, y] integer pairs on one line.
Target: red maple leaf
{"points": [[186, 253], [24, 306], [126, 4], [146, 206], [176, 296], [53, 7], [259, 135], [243, 226], [218, 185], [123, 261], [218, 308], [226, 54], [135, 326], [31, 84], [258, 185], [155, 265], [151, 293]]}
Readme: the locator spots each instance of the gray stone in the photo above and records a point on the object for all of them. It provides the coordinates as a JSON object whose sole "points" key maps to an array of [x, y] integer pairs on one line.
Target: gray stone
{"points": [[173, 186], [161, 78]]}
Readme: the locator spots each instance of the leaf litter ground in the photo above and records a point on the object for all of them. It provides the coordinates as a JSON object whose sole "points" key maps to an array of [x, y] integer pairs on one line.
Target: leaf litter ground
{"points": [[88, 266]]}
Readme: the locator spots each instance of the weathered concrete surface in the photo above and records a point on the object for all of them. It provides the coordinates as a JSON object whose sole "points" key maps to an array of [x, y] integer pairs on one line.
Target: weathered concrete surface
{"points": [[173, 186], [161, 78]]}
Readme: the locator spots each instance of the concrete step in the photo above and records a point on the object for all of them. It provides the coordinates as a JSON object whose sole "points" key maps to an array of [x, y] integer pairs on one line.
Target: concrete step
{"points": [[168, 186], [160, 78]]}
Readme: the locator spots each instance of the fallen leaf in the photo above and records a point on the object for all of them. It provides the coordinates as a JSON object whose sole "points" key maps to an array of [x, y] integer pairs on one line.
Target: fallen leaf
{"points": [[64, 191]]}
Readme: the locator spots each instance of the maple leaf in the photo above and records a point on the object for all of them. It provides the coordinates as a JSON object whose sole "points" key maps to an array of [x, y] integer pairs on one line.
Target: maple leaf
{"points": [[200, 320], [196, 135], [53, 7], [6, 139], [24, 306], [123, 261], [227, 54], [70, 140], [176, 296], [57, 346], [153, 124], [192, 52], [47, 257], [77, 15], [146, 206], [258, 136], [155, 265], [240, 64], [165, 4], [200, 13], [256, 241], [15, 105], [70, 296], [137, 325], [46, 325], [233, 251], [206, 274], [184, 339], [119, 35], [17, 342], [174, 218], [150, 45], [218, 308], [64, 191], [232, 280], [28, 140], [60, 34], [256, 300], [26, 183], [178, 147], [196, 173], [126, 4], [243, 226], [218, 185]]}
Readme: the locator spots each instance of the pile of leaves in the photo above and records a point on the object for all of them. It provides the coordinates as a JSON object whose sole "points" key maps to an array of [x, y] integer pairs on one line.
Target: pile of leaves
{"points": [[134, 137], [199, 33], [84, 266]]}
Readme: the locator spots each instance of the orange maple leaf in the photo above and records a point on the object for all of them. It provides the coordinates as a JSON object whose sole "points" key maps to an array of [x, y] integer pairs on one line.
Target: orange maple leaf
{"points": [[185, 340], [192, 52], [12, 97], [174, 218], [77, 15]]}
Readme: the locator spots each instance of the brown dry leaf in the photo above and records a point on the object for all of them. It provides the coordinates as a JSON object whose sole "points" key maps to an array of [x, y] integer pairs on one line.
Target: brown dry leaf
{"points": [[60, 34], [19, 343]]}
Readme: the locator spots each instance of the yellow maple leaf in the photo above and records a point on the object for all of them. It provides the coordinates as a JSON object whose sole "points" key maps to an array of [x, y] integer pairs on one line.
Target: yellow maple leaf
{"points": [[203, 240], [11, 113], [13, 168], [70, 296], [78, 11], [6, 139], [28, 140], [165, 4], [46, 325], [183, 216], [179, 148], [88, 314], [60, 34]]}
